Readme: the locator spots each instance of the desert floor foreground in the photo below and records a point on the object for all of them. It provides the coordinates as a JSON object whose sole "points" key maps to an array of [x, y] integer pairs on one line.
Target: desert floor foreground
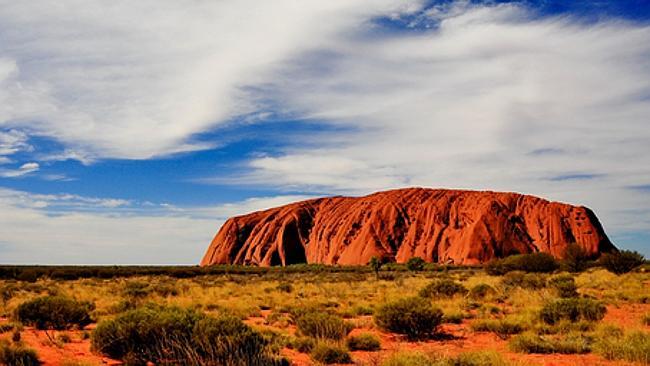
{"points": [[266, 301]]}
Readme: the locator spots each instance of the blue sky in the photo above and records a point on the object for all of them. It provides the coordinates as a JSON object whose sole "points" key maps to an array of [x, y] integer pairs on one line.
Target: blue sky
{"points": [[129, 132]]}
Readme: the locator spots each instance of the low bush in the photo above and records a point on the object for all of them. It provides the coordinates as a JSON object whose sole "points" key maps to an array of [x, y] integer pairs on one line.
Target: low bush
{"points": [[285, 287], [136, 289], [453, 318], [534, 262], [330, 353], [165, 289], [565, 286], [621, 262], [13, 355], [413, 317], [322, 325], [443, 288], [565, 326], [632, 347], [408, 359], [503, 328], [481, 358], [415, 264], [180, 336], [302, 344], [54, 312], [532, 281], [572, 310], [360, 310], [364, 342], [533, 343], [575, 258], [481, 291]]}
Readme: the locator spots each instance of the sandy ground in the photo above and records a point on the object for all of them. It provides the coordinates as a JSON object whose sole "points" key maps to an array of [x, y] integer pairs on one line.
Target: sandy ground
{"points": [[459, 339]]}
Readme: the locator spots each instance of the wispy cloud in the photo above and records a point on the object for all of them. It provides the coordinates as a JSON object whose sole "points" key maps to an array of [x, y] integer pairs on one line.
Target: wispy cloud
{"points": [[575, 176], [22, 170], [72, 229], [93, 75], [12, 141]]}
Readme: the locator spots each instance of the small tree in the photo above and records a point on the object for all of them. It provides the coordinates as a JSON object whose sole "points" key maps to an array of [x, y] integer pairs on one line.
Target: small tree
{"points": [[575, 258], [415, 264], [375, 265], [622, 262]]}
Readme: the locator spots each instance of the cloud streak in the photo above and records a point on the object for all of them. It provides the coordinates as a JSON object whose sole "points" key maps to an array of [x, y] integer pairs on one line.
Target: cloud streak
{"points": [[134, 80], [72, 229]]}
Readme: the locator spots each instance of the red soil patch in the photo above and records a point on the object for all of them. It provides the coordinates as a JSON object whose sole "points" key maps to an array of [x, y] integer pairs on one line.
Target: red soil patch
{"points": [[78, 349], [627, 315]]}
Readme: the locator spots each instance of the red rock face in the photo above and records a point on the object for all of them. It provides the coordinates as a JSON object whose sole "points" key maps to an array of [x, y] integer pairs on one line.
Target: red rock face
{"points": [[445, 226]]}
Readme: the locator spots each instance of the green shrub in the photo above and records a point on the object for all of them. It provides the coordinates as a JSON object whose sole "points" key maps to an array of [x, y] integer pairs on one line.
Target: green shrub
{"points": [[302, 344], [408, 359], [165, 289], [285, 287], [364, 342], [575, 258], [359, 310], [572, 310], [415, 264], [481, 358], [532, 281], [54, 312], [443, 288], [180, 336], [632, 347], [136, 289], [413, 317], [533, 343], [503, 328], [565, 286], [621, 262], [534, 262], [12, 355], [330, 353], [565, 326], [453, 318], [322, 325], [481, 291]]}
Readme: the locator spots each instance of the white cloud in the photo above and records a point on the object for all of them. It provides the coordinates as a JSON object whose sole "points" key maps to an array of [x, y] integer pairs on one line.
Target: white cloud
{"points": [[493, 99], [134, 80], [24, 169], [12, 141], [71, 229]]}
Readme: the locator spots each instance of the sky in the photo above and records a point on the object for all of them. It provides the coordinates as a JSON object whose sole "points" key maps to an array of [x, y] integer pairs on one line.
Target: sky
{"points": [[129, 131]]}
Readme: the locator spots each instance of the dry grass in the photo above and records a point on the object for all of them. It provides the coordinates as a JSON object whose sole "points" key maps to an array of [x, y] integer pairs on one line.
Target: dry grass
{"points": [[355, 297]]}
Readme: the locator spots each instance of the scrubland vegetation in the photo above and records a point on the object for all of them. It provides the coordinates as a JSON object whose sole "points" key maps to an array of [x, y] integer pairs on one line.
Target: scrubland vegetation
{"points": [[385, 315]]}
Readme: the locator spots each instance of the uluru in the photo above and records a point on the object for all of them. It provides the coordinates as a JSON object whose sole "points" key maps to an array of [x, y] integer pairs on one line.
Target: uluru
{"points": [[437, 225]]}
